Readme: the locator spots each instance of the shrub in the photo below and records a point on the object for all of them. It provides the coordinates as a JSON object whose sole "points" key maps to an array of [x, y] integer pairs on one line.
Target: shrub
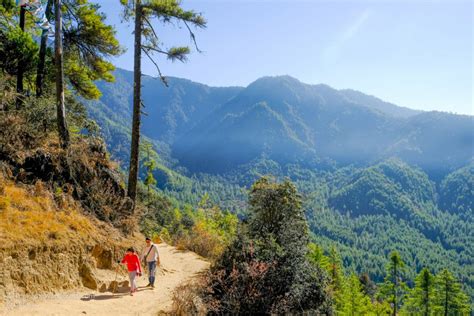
{"points": [[266, 269], [187, 300]]}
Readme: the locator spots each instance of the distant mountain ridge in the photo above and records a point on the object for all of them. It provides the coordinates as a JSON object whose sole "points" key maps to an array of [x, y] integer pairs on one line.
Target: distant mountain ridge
{"points": [[378, 104], [214, 130]]}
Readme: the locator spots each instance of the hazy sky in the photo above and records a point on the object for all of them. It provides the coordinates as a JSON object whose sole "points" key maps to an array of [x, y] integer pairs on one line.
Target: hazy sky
{"points": [[413, 53]]}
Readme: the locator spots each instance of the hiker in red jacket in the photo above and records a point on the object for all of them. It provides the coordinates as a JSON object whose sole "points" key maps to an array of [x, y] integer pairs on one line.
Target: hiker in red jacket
{"points": [[134, 268]]}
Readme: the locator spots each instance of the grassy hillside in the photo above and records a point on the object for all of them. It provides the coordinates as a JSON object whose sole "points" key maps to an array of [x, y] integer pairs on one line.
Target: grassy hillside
{"points": [[64, 215]]}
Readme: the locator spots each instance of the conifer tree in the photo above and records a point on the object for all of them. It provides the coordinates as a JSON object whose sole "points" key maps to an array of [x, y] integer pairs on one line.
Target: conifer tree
{"points": [[146, 40], [368, 286], [18, 49], [58, 55], [266, 270], [393, 289], [336, 273], [150, 165], [317, 257], [355, 301], [41, 67], [449, 298], [420, 300], [88, 43], [20, 67]]}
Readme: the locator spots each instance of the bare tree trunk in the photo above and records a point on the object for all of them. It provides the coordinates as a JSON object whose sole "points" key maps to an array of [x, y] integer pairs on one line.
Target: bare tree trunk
{"points": [[60, 108], [42, 55], [134, 151], [20, 66]]}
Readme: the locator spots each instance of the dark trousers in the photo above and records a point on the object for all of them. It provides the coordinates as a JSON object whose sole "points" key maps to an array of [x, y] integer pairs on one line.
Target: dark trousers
{"points": [[151, 271]]}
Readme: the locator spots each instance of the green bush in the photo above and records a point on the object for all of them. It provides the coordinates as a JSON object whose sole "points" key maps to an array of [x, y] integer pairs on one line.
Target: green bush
{"points": [[266, 269]]}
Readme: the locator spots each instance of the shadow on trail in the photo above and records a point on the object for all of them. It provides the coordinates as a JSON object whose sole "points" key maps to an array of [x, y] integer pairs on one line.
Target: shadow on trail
{"points": [[119, 294], [144, 288], [101, 297]]}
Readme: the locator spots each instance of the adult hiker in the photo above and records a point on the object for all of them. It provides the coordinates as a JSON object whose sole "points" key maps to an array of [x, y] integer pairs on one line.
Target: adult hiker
{"points": [[134, 268], [151, 256]]}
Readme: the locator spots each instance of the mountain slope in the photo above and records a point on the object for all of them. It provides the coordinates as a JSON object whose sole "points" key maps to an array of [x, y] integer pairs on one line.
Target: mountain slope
{"points": [[334, 145], [217, 129], [315, 117], [326, 123], [457, 191], [378, 105], [169, 110], [388, 188]]}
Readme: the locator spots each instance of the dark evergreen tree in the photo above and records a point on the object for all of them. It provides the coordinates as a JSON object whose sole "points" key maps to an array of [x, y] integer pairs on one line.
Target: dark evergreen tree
{"points": [[41, 67], [368, 286], [150, 166], [420, 299], [267, 269], [88, 44], [143, 12], [337, 283], [355, 302], [394, 288], [58, 55], [449, 298]]}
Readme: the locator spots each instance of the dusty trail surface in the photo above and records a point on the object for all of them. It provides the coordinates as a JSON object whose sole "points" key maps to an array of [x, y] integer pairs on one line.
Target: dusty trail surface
{"points": [[176, 267]]}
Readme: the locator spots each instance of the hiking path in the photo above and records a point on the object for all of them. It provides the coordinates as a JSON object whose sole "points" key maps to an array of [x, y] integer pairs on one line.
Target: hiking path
{"points": [[176, 268]]}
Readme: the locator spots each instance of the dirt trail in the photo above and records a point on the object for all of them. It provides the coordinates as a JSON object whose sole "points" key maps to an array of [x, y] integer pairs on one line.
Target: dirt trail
{"points": [[177, 267]]}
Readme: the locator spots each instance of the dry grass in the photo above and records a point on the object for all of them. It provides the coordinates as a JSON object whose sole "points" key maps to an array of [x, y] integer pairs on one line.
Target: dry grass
{"points": [[203, 241], [30, 215], [187, 300]]}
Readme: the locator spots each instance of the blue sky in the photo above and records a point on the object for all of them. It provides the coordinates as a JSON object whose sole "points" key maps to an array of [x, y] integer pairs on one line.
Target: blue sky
{"points": [[413, 53]]}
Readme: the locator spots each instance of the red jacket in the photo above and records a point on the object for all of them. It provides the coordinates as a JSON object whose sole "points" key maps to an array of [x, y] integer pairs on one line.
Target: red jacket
{"points": [[133, 263]]}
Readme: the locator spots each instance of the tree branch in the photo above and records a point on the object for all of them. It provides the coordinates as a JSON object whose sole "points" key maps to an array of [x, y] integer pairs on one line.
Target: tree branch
{"points": [[162, 78], [193, 37], [178, 53], [151, 26]]}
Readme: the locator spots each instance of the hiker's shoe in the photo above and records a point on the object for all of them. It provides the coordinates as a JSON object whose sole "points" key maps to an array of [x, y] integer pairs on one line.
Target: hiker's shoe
{"points": [[152, 286]]}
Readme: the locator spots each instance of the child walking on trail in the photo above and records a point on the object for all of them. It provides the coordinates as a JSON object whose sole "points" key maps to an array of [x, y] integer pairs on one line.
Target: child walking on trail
{"points": [[134, 268]]}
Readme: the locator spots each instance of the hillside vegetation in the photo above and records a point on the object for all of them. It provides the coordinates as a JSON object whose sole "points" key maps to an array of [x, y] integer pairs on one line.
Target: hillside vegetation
{"points": [[216, 130], [306, 199], [375, 177]]}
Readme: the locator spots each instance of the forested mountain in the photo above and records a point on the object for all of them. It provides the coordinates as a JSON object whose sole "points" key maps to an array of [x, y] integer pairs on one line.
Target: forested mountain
{"points": [[217, 129], [375, 177], [457, 191], [170, 111], [378, 105], [386, 189], [288, 121]]}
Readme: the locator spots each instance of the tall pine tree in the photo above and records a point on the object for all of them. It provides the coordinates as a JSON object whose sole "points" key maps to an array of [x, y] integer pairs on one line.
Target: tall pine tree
{"points": [[336, 273], [449, 298], [355, 301], [420, 299], [393, 290], [150, 165], [88, 43], [147, 41], [58, 55]]}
